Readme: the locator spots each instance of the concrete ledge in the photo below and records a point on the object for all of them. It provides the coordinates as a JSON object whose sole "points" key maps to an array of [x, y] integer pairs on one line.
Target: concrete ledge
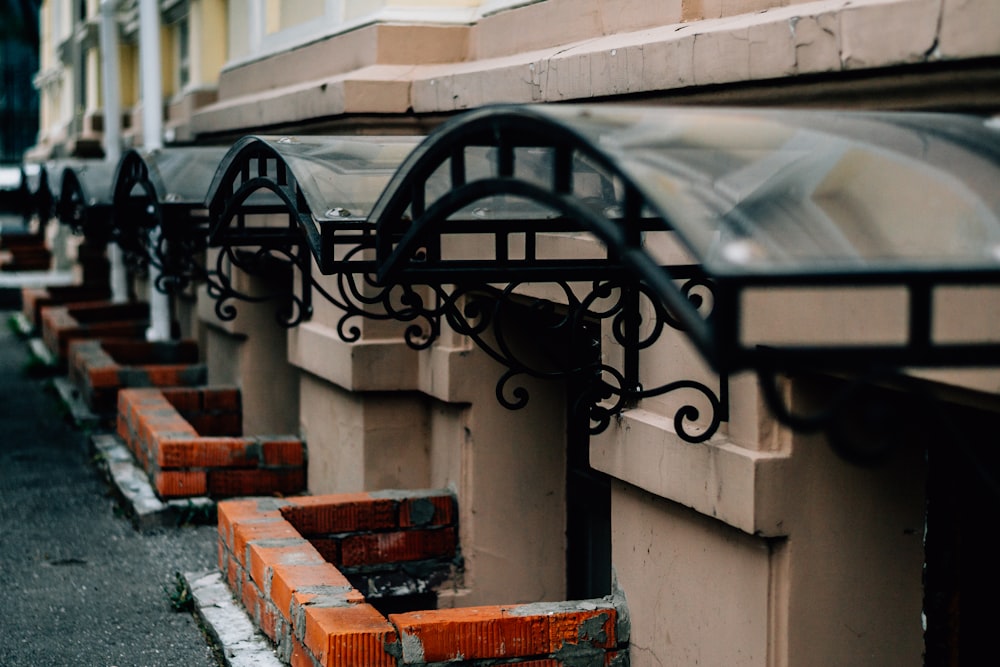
{"points": [[42, 357], [35, 278], [717, 478], [133, 489], [21, 325], [72, 399], [830, 38], [383, 364], [227, 623]]}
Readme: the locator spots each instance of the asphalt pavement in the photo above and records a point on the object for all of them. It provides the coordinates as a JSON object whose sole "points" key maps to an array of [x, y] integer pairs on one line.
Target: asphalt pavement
{"points": [[80, 586]]}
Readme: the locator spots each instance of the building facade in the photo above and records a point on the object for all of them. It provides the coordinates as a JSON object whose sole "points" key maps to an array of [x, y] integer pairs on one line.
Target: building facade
{"points": [[759, 546]]}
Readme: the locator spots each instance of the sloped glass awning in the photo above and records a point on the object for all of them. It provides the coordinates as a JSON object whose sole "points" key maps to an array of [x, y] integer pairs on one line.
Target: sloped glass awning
{"points": [[84, 195], [774, 239], [327, 185], [789, 215], [298, 199], [165, 190]]}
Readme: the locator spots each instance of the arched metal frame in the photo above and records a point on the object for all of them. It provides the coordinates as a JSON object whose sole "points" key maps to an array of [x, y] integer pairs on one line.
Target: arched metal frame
{"points": [[143, 202], [84, 202], [136, 212], [255, 179], [409, 227], [409, 231], [249, 170], [483, 301]]}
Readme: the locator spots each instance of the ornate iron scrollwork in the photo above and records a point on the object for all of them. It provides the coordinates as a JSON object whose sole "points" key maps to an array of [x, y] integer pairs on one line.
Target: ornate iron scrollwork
{"points": [[571, 352], [272, 262], [565, 340]]}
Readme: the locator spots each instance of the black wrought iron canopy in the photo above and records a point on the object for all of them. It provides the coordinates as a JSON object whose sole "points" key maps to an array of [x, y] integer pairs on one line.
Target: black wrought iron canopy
{"points": [[737, 226], [295, 200], [165, 190], [84, 195], [15, 193]]}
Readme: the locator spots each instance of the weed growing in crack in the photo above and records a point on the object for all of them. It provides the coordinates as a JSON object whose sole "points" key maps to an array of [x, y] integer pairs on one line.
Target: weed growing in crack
{"points": [[180, 597]]}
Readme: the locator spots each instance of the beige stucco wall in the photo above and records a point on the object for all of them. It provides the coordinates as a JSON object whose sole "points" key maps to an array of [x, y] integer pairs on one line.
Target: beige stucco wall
{"points": [[364, 442], [377, 414], [607, 48], [249, 352], [802, 557], [697, 590]]}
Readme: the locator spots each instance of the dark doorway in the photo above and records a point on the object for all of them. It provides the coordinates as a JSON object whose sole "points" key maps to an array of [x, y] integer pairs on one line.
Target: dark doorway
{"points": [[554, 346], [961, 579], [588, 496]]}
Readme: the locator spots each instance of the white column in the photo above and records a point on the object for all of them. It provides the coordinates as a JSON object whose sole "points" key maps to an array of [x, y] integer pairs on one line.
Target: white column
{"points": [[152, 139], [112, 129]]}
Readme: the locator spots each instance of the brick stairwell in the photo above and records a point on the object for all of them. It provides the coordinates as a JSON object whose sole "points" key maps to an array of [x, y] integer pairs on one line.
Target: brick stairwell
{"points": [[24, 252], [100, 368], [93, 319], [33, 299], [189, 442], [299, 565]]}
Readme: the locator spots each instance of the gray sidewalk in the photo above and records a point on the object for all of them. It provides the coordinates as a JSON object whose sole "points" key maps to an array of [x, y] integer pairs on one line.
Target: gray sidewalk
{"points": [[80, 585]]}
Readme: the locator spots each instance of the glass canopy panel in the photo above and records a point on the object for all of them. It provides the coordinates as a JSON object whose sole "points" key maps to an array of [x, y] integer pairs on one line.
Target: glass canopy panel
{"points": [[535, 165], [342, 177], [54, 170], [779, 192], [183, 175], [94, 178], [34, 174]]}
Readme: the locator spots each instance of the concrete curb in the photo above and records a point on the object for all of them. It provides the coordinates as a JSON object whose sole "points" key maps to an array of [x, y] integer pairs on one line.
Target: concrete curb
{"points": [[70, 396], [22, 327], [15, 280], [132, 485], [227, 623], [41, 354]]}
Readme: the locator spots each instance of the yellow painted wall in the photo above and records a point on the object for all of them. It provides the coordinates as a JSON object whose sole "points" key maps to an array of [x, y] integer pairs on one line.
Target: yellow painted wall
{"points": [[168, 61], [209, 40], [128, 59]]}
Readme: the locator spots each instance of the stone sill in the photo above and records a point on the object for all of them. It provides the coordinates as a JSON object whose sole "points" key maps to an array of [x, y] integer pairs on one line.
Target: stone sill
{"points": [[826, 36], [379, 365], [738, 486]]}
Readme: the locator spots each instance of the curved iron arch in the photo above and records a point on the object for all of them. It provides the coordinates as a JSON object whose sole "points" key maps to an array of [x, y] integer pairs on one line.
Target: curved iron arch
{"points": [[233, 184], [503, 127], [292, 247], [134, 216], [41, 197]]}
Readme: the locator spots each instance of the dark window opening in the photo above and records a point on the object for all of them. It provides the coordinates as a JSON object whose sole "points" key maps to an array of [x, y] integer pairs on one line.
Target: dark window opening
{"points": [[961, 577]]}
